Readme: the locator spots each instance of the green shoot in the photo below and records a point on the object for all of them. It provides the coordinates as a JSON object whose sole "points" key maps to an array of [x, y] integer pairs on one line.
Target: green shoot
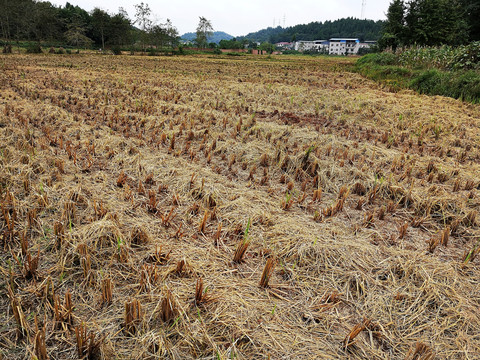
{"points": [[176, 321], [119, 243], [247, 229]]}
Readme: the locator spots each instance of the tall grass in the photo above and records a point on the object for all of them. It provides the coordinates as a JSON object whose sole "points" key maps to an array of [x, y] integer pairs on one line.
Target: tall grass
{"points": [[446, 71]]}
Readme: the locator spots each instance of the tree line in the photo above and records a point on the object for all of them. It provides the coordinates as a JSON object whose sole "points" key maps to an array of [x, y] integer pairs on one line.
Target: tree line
{"points": [[44, 22], [41, 21], [431, 23], [347, 27]]}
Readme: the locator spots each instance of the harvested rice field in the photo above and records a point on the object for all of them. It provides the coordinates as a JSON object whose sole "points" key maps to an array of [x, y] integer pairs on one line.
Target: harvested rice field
{"points": [[233, 208]]}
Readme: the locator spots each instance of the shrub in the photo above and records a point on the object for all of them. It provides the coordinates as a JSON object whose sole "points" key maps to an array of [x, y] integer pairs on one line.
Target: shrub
{"points": [[7, 49], [60, 50], [444, 57], [365, 50], [34, 49], [429, 82], [467, 57], [433, 77], [291, 52], [378, 59], [116, 50]]}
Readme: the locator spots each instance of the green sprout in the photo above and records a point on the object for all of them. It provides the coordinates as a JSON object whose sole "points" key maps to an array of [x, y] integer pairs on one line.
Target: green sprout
{"points": [[274, 308], [247, 229]]}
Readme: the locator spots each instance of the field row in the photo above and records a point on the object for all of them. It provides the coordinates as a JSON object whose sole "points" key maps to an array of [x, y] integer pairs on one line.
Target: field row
{"points": [[202, 207]]}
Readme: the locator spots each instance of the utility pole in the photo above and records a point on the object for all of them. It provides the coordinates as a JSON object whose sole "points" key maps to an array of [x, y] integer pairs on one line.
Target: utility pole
{"points": [[284, 21], [364, 5]]}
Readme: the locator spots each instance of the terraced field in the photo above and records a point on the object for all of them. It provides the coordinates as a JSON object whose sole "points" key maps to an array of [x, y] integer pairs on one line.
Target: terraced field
{"points": [[247, 208]]}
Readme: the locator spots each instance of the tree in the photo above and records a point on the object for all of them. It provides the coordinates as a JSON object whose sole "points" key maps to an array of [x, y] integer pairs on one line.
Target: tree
{"points": [[425, 22], [172, 34], [231, 44], [435, 22], [6, 15], [75, 35], [472, 16], [158, 35], [120, 29], [142, 15], [164, 35], [204, 31], [394, 27], [17, 19], [266, 46], [43, 21], [100, 23]]}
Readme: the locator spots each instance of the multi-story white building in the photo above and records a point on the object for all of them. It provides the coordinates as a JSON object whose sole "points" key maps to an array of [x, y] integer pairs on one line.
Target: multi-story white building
{"points": [[343, 46], [334, 46], [316, 45]]}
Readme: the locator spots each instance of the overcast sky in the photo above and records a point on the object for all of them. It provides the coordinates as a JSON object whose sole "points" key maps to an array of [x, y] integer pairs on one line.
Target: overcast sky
{"points": [[242, 16]]}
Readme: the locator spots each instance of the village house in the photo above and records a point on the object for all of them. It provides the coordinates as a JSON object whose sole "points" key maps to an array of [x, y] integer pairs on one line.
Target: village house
{"points": [[315, 45], [284, 45], [343, 46], [334, 46]]}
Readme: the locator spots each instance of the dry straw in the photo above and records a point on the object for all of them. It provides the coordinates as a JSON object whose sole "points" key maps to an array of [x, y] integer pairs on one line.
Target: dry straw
{"points": [[368, 198]]}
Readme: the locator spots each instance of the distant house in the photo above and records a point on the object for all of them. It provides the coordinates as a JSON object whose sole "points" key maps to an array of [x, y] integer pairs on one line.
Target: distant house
{"points": [[334, 46], [315, 45], [284, 45], [343, 46]]}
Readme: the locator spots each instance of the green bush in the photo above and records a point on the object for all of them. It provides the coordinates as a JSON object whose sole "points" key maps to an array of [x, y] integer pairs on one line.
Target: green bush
{"points": [[366, 50], [465, 57], [116, 50], [7, 49], [459, 85], [180, 51], [34, 49], [378, 59], [393, 70], [429, 82], [468, 57]]}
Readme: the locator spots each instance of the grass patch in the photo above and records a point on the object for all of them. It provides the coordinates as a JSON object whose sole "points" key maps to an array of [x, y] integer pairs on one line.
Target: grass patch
{"points": [[385, 68]]}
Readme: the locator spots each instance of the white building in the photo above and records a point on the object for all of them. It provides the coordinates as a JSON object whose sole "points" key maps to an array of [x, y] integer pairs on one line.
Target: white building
{"points": [[284, 45], [315, 45], [334, 46], [343, 46]]}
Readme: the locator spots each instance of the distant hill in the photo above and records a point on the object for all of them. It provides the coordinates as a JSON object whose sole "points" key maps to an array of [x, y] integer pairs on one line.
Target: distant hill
{"points": [[217, 36], [348, 27]]}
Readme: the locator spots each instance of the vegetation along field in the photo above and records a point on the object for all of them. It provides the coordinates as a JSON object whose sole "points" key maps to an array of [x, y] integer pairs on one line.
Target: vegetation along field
{"points": [[233, 208]]}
